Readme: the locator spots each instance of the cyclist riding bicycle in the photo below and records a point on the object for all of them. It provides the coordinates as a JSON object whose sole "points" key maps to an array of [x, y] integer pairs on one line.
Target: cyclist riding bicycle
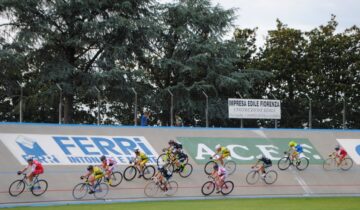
{"points": [[108, 165], [161, 174], [295, 150], [265, 163], [36, 169], [140, 160], [219, 173], [175, 146], [94, 173], [222, 152], [340, 153]]}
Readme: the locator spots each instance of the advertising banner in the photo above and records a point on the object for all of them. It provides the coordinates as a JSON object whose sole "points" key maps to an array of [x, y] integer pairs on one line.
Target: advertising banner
{"points": [[75, 149], [352, 147], [254, 108]]}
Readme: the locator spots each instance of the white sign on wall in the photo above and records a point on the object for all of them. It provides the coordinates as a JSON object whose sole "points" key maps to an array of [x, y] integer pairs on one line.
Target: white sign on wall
{"points": [[254, 108], [352, 147], [75, 149]]}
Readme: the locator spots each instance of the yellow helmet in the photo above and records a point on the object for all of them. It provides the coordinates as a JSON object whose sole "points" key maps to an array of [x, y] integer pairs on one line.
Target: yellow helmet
{"points": [[292, 144]]}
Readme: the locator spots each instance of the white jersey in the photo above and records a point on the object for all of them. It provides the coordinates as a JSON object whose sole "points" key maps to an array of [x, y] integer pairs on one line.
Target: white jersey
{"points": [[222, 171]]}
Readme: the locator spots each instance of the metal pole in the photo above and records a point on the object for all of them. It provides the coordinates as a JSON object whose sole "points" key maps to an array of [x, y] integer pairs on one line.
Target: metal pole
{"points": [[344, 112], [98, 105], [171, 108], [207, 109], [276, 122], [21, 101], [60, 102], [135, 106], [241, 120], [310, 111]]}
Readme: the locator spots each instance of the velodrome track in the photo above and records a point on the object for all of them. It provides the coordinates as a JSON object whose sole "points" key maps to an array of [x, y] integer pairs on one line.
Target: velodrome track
{"points": [[314, 181]]}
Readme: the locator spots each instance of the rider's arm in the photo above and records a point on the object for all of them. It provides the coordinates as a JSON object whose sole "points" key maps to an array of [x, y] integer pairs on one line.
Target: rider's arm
{"points": [[257, 162], [23, 170]]}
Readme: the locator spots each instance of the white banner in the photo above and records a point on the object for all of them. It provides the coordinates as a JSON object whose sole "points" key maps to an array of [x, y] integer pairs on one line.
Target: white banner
{"points": [[352, 147], [254, 108], [75, 149]]}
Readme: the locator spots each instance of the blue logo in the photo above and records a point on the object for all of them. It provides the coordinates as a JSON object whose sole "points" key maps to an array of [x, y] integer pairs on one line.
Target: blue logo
{"points": [[358, 149], [30, 147]]}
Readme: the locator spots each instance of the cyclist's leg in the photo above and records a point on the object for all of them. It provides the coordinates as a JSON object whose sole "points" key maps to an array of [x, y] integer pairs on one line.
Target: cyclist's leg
{"points": [[221, 159]]}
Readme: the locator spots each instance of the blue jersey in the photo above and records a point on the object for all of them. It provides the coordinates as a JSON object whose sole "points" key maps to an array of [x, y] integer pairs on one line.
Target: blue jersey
{"points": [[299, 148]]}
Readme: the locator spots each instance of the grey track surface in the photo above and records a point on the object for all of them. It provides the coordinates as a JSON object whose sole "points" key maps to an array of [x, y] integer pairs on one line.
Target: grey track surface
{"points": [[314, 181]]}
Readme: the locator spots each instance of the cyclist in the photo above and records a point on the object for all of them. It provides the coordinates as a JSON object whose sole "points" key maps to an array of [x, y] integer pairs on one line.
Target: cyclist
{"points": [[219, 174], [94, 173], [295, 150], [36, 169], [180, 158], [108, 165], [265, 163], [161, 174], [140, 160], [340, 153], [175, 146], [222, 152]]}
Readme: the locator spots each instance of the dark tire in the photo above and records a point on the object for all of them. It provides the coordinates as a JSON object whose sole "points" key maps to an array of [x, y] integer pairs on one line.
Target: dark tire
{"points": [[252, 177], [39, 188], [16, 188], [149, 172], [80, 191], [172, 188], [284, 163], [151, 189], [209, 167], [346, 164], [230, 166], [101, 190], [302, 164], [329, 164], [116, 178], [270, 177], [186, 171], [130, 173], [227, 187], [162, 159], [208, 188]]}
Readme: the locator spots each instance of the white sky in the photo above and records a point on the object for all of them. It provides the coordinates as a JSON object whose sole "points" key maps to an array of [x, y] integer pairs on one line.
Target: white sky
{"points": [[300, 14]]}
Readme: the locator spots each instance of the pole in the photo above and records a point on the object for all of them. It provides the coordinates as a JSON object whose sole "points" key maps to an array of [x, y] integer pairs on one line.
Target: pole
{"points": [[171, 108], [135, 106], [98, 105], [310, 111], [276, 122], [21, 101], [60, 102], [207, 109], [241, 120]]}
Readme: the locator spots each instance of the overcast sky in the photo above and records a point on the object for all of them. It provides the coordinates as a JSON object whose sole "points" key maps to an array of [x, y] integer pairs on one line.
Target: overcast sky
{"points": [[299, 14]]}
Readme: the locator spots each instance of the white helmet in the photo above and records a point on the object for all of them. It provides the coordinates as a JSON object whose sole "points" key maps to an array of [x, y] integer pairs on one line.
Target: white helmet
{"points": [[217, 147]]}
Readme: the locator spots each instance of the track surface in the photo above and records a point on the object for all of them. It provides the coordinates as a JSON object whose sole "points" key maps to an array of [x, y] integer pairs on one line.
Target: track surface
{"points": [[314, 181]]}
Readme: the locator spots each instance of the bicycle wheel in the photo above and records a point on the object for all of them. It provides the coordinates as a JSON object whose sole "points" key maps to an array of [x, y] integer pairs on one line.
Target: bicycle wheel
{"points": [[39, 188], [101, 190], [149, 172], [208, 188], [172, 188], [162, 159], [284, 163], [151, 189], [80, 190], [252, 177], [230, 166], [270, 177], [130, 173], [346, 164], [329, 164], [116, 178], [169, 167], [186, 171], [209, 167], [16, 188], [302, 164], [227, 187]]}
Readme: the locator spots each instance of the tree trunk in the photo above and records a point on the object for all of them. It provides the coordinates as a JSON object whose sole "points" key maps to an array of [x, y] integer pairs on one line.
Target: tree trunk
{"points": [[68, 109]]}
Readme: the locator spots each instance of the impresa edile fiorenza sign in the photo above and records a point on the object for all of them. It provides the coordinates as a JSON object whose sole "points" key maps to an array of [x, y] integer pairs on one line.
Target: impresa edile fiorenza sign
{"points": [[254, 108], [76, 149]]}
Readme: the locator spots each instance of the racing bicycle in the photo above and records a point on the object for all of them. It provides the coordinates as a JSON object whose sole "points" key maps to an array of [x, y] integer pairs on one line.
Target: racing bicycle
{"points": [[254, 175], [131, 171], [229, 165], [169, 188], [101, 189], [38, 188], [331, 163], [285, 162], [209, 187]]}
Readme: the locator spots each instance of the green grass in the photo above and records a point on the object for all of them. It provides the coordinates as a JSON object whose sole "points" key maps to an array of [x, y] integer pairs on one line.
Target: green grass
{"points": [[347, 203]]}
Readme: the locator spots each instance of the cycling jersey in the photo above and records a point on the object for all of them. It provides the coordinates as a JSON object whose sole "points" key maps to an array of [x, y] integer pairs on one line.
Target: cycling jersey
{"points": [[142, 156], [165, 173], [97, 171], [177, 145], [342, 152], [266, 161], [225, 152], [36, 167], [222, 171], [110, 161], [299, 148]]}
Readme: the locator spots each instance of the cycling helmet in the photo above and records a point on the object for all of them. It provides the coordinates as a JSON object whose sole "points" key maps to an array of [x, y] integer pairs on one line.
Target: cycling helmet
{"points": [[171, 141], [90, 167], [292, 143], [102, 158], [136, 151], [217, 147], [337, 147], [30, 159], [216, 167]]}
